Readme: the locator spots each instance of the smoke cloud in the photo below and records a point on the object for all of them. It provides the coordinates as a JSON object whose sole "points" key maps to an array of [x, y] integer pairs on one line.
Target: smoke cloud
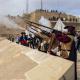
{"points": [[8, 23]]}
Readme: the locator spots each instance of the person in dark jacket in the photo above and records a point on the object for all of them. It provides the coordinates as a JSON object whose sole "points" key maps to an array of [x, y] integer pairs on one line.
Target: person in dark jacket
{"points": [[31, 41], [23, 39], [73, 52], [78, 43], [68, 47]]}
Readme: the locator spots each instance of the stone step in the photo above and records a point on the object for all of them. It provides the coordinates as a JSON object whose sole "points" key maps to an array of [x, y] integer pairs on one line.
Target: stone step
{"points": [[37, 55], [22, 63]]}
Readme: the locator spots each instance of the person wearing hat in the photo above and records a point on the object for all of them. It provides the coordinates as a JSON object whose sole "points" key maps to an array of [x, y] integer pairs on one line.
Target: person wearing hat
{"points": [[66, 41], [67, 45], [23, 39], [72, 34], [53, 45], [73, 52]]}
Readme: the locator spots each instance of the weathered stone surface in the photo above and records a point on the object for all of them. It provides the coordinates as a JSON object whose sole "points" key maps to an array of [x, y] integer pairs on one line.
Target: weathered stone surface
{"points": [[22, 63], [53, 68]]}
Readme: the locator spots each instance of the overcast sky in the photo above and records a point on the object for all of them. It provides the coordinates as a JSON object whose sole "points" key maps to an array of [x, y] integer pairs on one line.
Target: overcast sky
{"points": [[15, 7]]}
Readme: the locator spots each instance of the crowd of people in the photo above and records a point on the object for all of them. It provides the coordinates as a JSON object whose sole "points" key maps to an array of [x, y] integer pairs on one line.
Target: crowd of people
{"points": [[59, 13], [65, 45], [57, 44], [37, 42]]}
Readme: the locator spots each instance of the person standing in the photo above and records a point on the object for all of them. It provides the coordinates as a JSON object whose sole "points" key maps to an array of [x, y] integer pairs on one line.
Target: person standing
{"points": [[78, 43], [31, 41], [17, 39], [68, 45], [53, 45], [23, 39]]}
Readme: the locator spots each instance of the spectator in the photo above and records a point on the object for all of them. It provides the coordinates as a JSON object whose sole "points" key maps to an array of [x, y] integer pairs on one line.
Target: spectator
{"points": [[31, 41], [17, 39], [23, 39]]}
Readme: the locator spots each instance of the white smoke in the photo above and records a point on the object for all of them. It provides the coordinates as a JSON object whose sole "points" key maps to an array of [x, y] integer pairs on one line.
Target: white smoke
{"points": [[45, 22], [60, 26], [8, 23]]}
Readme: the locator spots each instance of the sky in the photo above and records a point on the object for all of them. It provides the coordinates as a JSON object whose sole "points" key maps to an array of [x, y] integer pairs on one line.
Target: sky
{"points": [[18, 7]]}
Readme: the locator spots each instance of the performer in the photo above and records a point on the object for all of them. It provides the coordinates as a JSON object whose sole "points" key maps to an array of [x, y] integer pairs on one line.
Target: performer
{"points": [[23, 39], [68, 47], [53, 45]]}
